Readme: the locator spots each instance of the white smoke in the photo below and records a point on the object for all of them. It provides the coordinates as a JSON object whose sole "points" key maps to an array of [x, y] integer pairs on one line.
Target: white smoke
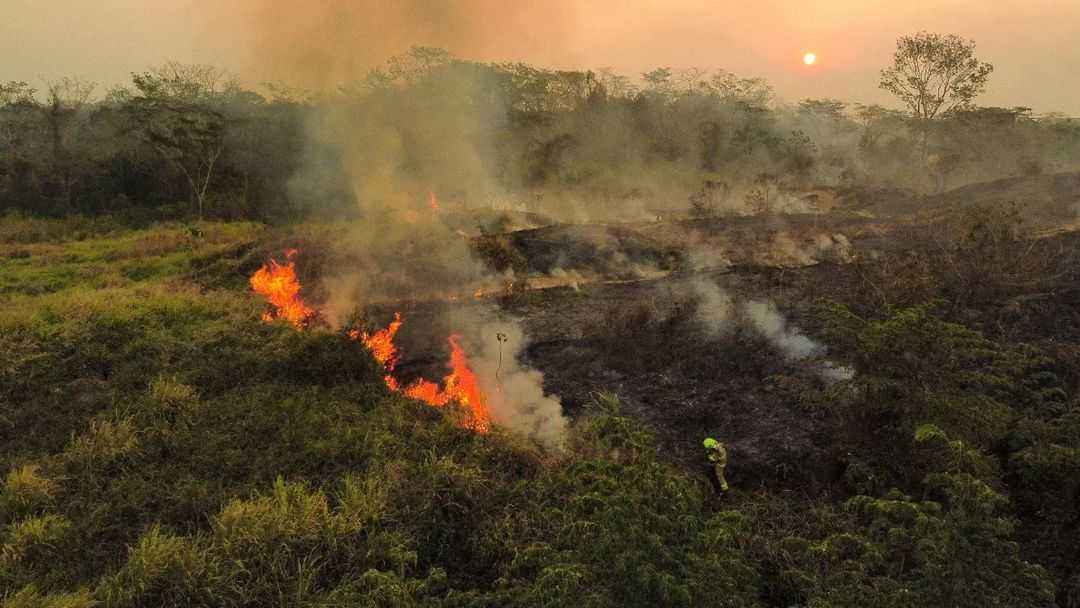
{"points": [[795, 345], [765, 317], [702, 257], [835, 245], [515, 392], [715, 306], [573, 278]]}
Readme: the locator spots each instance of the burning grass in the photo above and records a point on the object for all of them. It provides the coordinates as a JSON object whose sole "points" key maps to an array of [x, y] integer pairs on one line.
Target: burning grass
{"points": [[280, 286], [459, 386]]}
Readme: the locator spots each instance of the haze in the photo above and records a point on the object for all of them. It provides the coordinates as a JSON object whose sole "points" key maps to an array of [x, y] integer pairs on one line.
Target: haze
{"points": [[1029, 43]]}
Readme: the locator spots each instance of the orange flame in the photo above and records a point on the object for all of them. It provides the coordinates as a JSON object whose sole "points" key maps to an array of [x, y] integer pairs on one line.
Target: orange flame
{"points": [[279, 285], [459, 385], [433, 201], [381, 345]]}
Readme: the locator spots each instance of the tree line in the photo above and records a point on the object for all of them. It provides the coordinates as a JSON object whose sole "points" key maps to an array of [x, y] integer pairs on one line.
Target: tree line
{"points": [[192, 141]]}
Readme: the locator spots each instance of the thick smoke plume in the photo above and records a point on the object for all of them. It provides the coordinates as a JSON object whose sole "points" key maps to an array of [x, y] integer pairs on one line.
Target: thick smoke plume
{"points": [[405, 162], [514, 391]]}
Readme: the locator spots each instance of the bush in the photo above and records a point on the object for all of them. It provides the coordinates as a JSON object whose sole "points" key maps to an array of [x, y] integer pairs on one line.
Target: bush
{"points": [[30, 597], [33, 538], [103, 443], [161, 570], [26, 491]]}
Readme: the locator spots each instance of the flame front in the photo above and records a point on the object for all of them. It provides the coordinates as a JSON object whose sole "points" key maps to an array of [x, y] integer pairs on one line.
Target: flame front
{"points": [[433, 201], [459, 385], [381, 345], [279, 285]]}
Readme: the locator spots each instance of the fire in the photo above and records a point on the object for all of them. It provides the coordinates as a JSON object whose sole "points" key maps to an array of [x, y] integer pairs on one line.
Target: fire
{"points": [[279, 285], [381, 345], [433, 201], [460, 385]]}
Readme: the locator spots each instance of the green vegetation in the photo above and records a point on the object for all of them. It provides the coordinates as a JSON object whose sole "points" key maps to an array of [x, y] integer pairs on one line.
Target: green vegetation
{"points": [[162, 446]]}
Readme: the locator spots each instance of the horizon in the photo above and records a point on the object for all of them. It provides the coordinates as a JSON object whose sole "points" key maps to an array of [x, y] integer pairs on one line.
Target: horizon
{"points": [[264, 40]]}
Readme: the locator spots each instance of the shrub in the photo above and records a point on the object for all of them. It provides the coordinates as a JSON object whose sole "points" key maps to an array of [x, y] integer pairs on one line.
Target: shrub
{"points": [[32, 538], [290, 519], [30, 597], [103, 443], [25, 491], [168, 391], [161, 570]]}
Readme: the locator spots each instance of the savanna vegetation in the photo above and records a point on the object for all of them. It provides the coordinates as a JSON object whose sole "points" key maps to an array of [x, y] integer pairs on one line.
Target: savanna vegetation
{"points": [[161, 445], [186, 141]]}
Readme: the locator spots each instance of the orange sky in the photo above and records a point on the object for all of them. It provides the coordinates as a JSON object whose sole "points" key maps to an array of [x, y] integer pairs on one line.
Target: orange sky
{"points": [[1031, 43]]}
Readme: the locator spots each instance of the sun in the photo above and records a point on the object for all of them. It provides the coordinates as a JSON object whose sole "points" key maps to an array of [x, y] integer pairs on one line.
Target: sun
{"points": [[809, 58]]}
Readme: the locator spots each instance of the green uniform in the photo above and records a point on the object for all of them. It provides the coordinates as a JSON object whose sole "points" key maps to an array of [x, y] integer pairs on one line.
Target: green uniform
{"points": [[718, 458]]}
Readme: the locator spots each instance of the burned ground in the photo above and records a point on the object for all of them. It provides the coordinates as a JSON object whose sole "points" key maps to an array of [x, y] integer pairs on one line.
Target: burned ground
{"points": [[612, 308]]}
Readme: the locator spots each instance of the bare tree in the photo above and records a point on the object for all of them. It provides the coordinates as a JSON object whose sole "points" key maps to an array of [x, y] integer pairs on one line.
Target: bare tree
{"points": [[690, 79]]}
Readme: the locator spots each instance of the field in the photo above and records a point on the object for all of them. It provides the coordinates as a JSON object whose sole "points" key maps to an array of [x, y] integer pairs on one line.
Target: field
{"points": [[165, 446], [455, 332]]}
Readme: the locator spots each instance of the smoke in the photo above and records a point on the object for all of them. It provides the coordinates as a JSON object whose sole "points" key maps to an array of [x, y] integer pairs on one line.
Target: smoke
{"points": [[785, 250], [404, 163], [765, 317], [703, 257], [515, 392], [795, 345], [836, 245], [715, 307], [716, 311], [329, 42], [377, 157], [571, 278]]}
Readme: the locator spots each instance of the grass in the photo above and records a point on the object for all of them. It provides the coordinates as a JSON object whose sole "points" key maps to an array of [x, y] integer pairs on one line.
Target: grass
{"points": [[161, 446], [117, 259]]}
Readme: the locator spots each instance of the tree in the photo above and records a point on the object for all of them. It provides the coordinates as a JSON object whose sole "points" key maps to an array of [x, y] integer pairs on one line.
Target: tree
{"points": [[66, 99], [751, 92], [180, 113], [934, 74], [16, 92], [659, 82]]}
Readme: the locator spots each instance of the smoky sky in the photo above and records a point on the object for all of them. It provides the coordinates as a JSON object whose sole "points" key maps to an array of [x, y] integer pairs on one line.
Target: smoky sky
{"points": [[323, 42]]}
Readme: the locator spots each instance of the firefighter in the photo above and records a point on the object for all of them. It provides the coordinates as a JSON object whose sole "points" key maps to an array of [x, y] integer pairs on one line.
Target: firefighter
{"points": [[718, 458]]}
